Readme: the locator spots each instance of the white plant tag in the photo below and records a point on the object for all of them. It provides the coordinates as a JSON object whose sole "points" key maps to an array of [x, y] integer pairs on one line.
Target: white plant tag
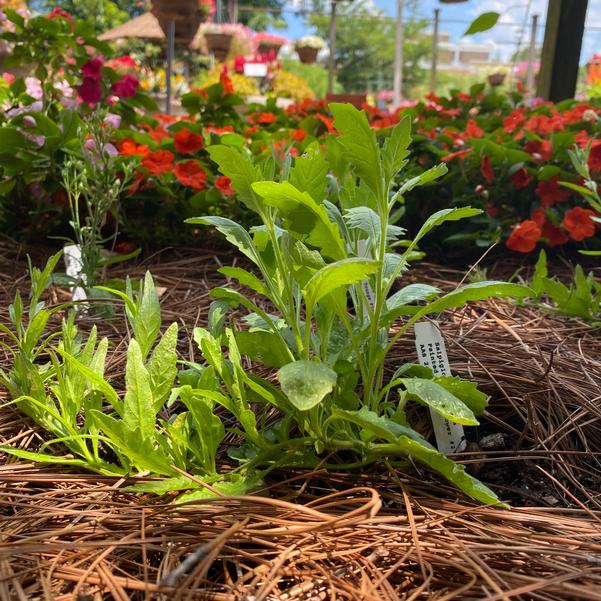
{"points": [[432, 353], [73, 266]]}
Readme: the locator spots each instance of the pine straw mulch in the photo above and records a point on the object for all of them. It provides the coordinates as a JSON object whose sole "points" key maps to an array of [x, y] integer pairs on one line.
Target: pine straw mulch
{"points": [[381, 534]]}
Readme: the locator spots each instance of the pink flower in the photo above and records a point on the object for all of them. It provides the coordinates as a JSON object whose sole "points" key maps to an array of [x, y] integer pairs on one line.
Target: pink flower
{"points": [[126, 87]]}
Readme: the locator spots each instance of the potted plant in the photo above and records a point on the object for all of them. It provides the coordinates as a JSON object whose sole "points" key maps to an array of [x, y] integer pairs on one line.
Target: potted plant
{"points": [[267, 43], [218, 41], [308, 47], [187, 15]]}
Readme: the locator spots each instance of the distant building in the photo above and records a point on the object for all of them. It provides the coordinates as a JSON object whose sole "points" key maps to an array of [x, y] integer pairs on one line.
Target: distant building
{"points": [[462, 55]]}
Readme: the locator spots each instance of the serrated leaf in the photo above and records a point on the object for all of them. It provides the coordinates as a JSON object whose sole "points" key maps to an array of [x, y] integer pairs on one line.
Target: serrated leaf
{"points": [[234, 233], [431, 394], [396, 148], [424, 178], [303, 216], [162, 367], [146, 322], [359, 144], [138, 404], [241, 171], [309, 173], [306, 383], [246, 278], [336, 275]]}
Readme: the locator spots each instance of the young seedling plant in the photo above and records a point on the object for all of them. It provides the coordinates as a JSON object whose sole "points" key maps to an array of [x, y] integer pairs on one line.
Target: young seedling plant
{"points": [[326, 257]]}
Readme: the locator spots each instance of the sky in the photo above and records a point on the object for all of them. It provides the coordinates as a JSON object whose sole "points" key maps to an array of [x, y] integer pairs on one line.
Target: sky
{"points": [[455, 18]]}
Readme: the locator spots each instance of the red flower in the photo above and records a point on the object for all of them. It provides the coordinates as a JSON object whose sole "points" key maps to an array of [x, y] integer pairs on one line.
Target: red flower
{"points": [[90, 91], [579, 224], [222, 183], [59, 13], [582, 138], [158, 133], [550, 192], [137, 183], [226, 82], [158, 162], [329, 123], [594, 158], [126, 87], [60, 198], [521, 179], [92, 69], [125, 248], [266, 118], [128, 147], [299, 135], [213, 129], [540, 150], [513, 121], [486, 170], [191, 174], [473, 130], [455, 155], [555, 235], [491, 209], [524, 237], [187, 142]]}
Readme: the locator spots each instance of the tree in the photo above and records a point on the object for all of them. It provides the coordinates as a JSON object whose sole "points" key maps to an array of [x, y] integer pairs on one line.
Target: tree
{"points": [[266, 13], [104, 14], [365, 46]]}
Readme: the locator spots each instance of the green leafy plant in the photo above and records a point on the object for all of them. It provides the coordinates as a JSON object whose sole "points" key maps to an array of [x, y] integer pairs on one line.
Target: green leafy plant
{"points": [[325, 257], [59, 381], [580, 299]]}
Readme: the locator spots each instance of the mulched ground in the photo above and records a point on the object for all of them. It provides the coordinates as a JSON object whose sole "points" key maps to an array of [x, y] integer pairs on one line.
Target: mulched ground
{"points": [[381, 534]]}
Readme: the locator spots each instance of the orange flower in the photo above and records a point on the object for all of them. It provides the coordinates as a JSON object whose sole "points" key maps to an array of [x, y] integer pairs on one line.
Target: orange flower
{"points": [[187, 142], [157, 162], [222, 183], [579, 224], [486, 170], [524, 237], [226, 82], [299, 135], [128, 147], [191, 174]]}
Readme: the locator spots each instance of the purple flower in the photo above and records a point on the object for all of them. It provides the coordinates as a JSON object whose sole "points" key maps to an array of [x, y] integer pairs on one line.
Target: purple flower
{"points": [[113, 121], [35, 107]]}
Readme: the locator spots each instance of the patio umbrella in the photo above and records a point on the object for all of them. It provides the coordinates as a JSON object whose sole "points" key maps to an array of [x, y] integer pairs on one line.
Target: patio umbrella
{"points": [[145, 26]]}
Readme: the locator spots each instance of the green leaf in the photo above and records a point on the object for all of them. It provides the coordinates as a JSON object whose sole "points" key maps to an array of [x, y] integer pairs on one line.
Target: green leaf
{"points": [[433, 395], [379, 426], [146, 322], [306, 383], [11, 140], [484, 22], [396, 148], [303, 216], [540, 274], [440, 217], [234, 233], [473, 292], [42, 457], [424, 178], [246, 278], [240, 169], [358, 140], [465, 391], [409, 294], [265, 347], [337, 275], [162, 367], [309, 172], [452, 471], [138, 406]]}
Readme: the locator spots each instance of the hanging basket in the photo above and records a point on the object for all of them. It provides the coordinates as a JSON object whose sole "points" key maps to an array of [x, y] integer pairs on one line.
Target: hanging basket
{"points": [[307, 54], [496, 79], [186, 14], [218, 44], [266, 47]]}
